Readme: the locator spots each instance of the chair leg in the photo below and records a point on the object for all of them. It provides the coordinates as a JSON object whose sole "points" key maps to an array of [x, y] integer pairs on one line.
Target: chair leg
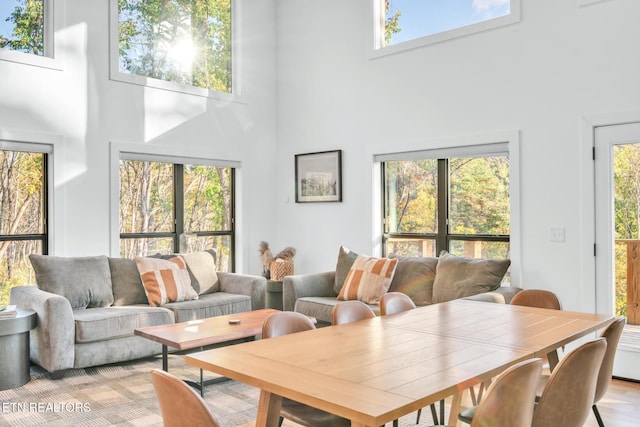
{"points": [[597, 414], [280, 422], [434, 415], [418, 417]]}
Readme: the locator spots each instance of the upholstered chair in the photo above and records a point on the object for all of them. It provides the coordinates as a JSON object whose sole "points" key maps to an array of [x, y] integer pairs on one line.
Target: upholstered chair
{"points": [[289, 322], [179, 403], [395, 302], [567, 397], [537, 298], [351, 311]]}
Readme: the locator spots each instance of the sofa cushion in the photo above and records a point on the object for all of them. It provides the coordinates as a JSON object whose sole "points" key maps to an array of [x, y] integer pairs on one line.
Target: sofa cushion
{"points": [[414, 277], [165, 280], [458, 277], [346, 258], [126, 282], [368, 279], [84, 281], [100, 324], [202, 269], [209, 305]]}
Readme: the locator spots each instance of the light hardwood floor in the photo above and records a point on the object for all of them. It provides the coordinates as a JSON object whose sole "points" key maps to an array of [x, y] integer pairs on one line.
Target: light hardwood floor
{"points": [[619, 408]]}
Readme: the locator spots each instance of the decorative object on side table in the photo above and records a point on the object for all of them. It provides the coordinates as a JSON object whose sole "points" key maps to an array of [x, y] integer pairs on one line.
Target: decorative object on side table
{"points": [[276, 267], [8, 311]]}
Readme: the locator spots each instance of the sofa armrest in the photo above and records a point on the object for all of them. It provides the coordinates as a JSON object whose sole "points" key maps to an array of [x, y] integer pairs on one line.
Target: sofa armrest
{"points": [[307, 285], [502, 295], [244, 284], [52, 341]]}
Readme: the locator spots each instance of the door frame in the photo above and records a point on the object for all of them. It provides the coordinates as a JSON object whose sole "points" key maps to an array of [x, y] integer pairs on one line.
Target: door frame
{"points": [[626, 359]]}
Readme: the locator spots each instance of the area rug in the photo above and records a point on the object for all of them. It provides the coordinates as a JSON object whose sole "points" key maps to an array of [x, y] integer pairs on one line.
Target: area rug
{"points": [[122, 395]]}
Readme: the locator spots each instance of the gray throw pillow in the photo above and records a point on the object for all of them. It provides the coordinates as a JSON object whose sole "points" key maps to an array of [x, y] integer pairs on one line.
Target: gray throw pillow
{"points": [[459, 277], [126, 282], [345, 261], [414, 277], [84, 281]]}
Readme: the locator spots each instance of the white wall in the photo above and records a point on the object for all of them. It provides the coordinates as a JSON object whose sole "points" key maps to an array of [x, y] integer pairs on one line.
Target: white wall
{"points": [[87, 112], [540, 78]]}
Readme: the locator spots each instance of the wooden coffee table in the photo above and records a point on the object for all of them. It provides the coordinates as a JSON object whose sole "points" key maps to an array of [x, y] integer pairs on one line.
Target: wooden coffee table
{"points": [[204, 332]]}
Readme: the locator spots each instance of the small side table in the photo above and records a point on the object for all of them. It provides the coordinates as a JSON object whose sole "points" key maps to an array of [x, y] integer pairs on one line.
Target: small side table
{"points": [[14, 349], [273, 297]]}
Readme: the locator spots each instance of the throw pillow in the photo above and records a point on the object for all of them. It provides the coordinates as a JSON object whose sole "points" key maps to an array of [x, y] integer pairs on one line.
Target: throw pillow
{"points": [[202, 270], [414, 277], [459, 277], [345, 261], [165, 280], [127, 285], [84, 281], [368, 279]]}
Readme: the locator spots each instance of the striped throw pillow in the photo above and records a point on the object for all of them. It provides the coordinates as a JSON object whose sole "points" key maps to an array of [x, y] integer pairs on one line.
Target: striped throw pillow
{"points": [[165, 280], [368, 279]]}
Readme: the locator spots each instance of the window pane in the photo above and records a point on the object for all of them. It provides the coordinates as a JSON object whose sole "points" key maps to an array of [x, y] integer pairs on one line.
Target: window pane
{"points": [[480, 249], [22, 26], [21, 193], [479, 200], [15, 267], [221, 244], [410, 19], [207, 198], [146, 197], [183, 42], [131, 248], [411, 196], [411, 247]]}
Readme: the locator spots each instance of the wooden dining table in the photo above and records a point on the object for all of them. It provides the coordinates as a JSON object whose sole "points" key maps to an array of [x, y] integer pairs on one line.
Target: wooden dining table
{"points": [[377, 370]]}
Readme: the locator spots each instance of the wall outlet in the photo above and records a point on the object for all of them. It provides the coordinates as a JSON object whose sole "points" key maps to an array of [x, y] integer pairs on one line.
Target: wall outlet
{"points": [[556, 234]]}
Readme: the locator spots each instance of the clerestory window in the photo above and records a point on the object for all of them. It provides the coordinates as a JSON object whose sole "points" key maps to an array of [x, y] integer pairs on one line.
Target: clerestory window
{"points": [[433, 201], [405, 24], [182, 45], [170, 207]]}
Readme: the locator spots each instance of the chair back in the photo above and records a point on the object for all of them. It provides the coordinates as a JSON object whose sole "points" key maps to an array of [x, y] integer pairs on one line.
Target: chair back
{"points": [[612, 335], [181, 405], [537, 298], [510, 399], [568, 394], [285, 322], [351, 311], [395, 302]]}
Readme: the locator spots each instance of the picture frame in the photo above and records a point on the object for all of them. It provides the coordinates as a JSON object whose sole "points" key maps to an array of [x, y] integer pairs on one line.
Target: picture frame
{"points": [[319, 177]]}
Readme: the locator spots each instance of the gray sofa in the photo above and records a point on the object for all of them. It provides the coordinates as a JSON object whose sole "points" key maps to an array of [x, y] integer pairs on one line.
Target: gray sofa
{"points": [[88, 308], [427, 280]]}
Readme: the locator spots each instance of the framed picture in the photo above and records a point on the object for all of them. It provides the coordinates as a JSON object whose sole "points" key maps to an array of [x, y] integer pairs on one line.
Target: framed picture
{"points": [[319, 177]]}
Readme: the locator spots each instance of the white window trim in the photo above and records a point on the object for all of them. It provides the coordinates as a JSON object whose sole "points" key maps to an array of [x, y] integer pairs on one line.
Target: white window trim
{"points": [[52, 145], [54, 22], [377, 21], [120, 150], [480, 143], [116, 75]]}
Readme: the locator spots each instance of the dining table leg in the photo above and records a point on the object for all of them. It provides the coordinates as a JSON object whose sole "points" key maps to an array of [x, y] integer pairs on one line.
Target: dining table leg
{"points": [[456, 402], [269, 406]]}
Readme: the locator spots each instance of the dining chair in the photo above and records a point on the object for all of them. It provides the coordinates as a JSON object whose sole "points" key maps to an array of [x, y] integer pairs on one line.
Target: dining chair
{"points": [[612, 335], [289, 322], [537, 298], [567, 396], [510, 399], [180, 404], [351, 311], [395, 302]]}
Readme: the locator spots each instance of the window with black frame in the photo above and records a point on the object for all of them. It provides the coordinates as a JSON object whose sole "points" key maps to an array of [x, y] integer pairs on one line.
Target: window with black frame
{"points": [[23, 209], [458, 203], [177, 208]]}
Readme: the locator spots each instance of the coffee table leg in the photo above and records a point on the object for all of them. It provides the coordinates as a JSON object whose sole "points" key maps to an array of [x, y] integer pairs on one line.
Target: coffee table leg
{"points": [[201, 384], [165, 361]]}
